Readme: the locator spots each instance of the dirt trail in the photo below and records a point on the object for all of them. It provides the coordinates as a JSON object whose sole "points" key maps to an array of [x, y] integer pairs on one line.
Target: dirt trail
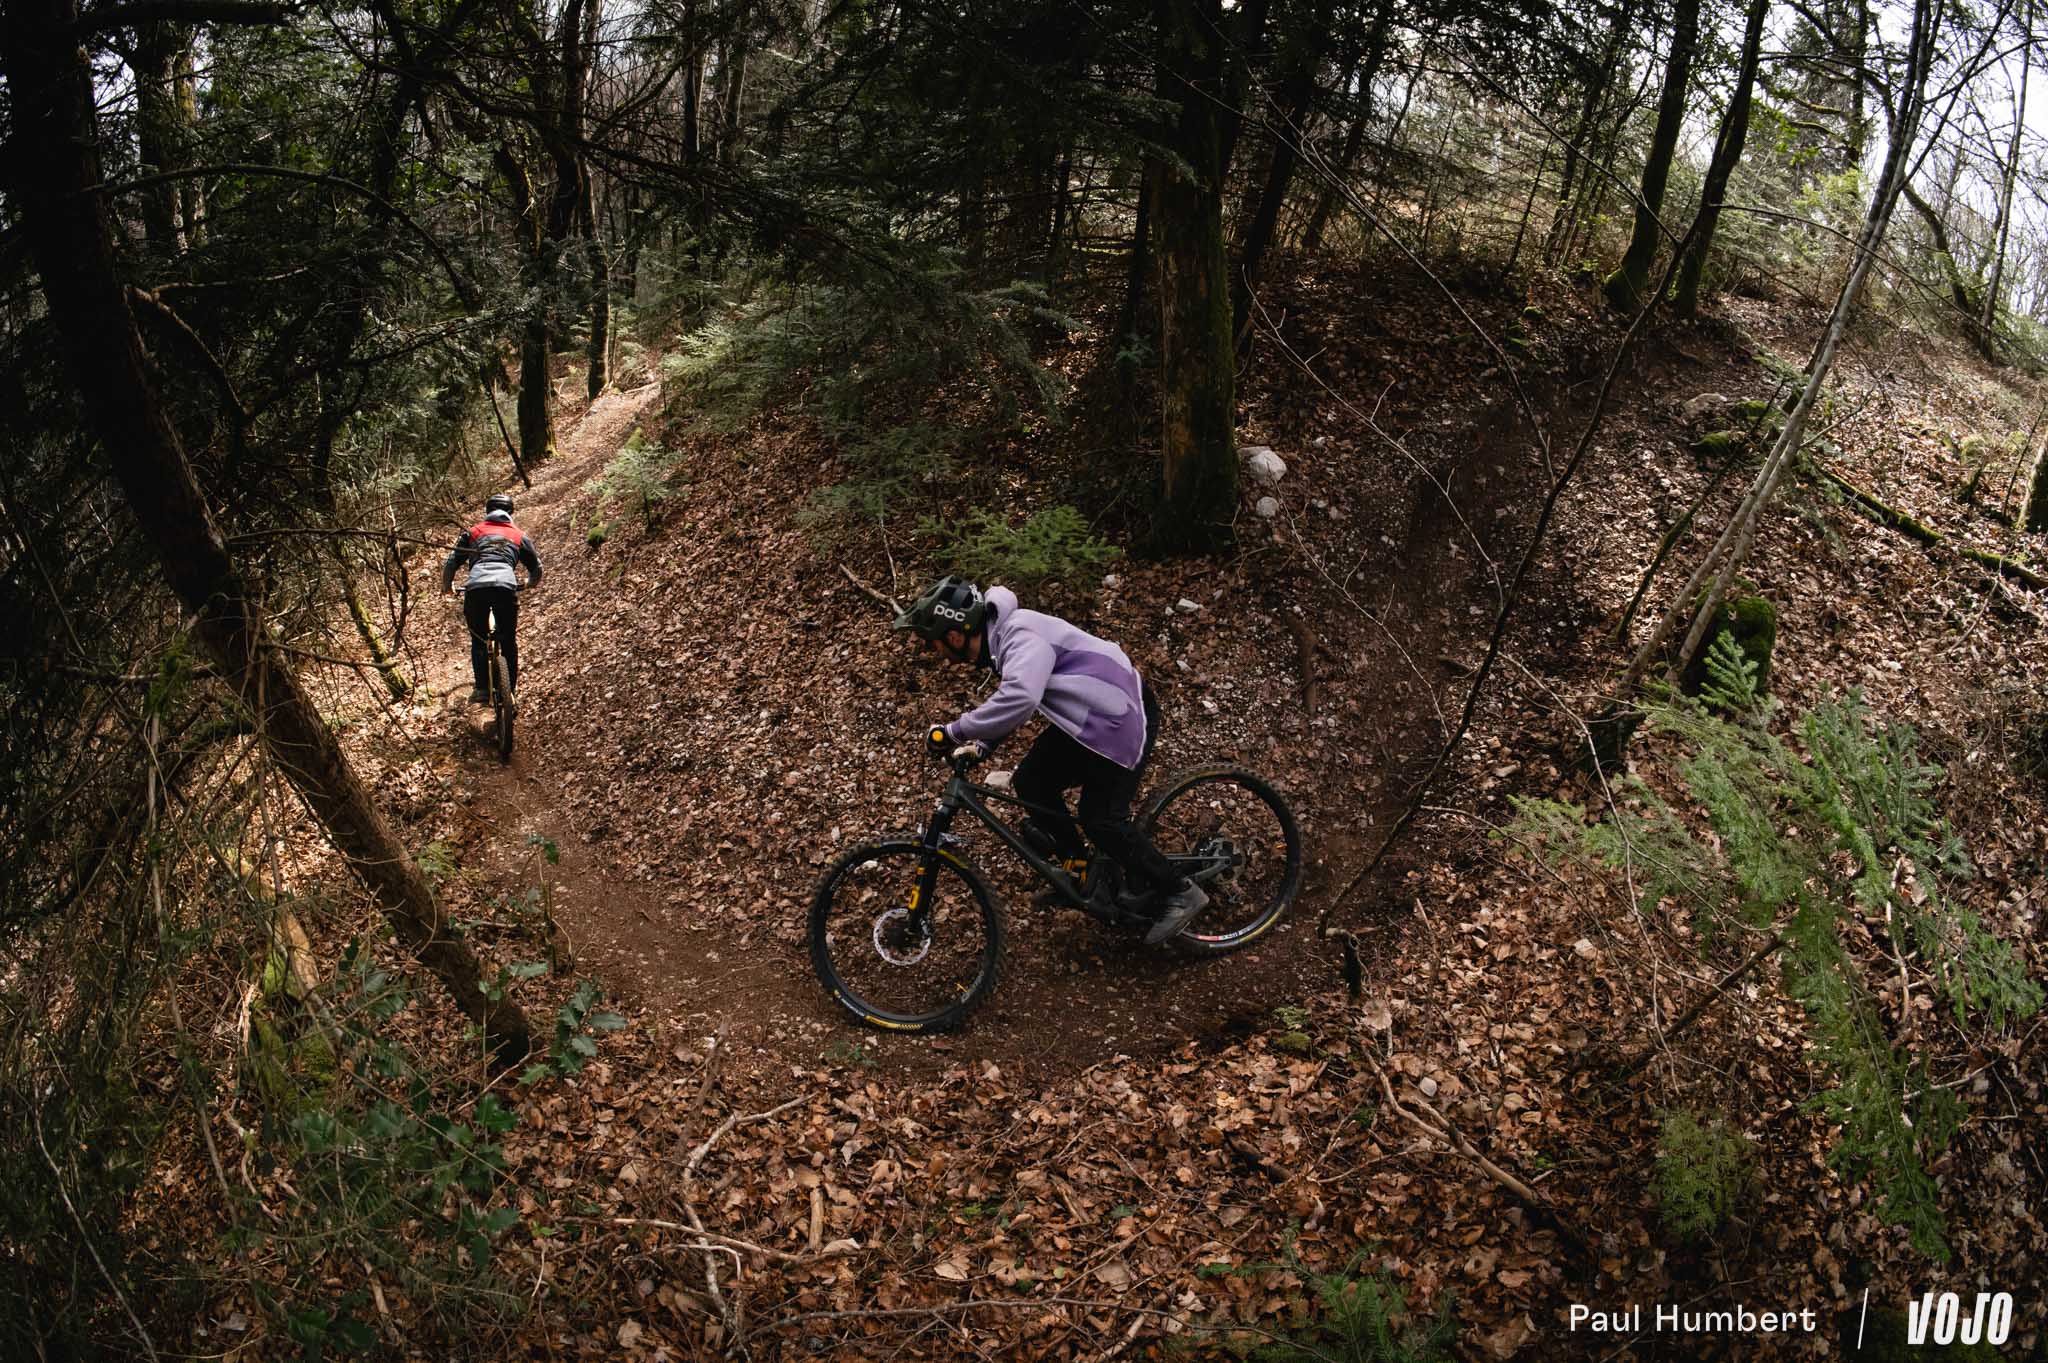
{"points": [[708, 713], [623, 931]]}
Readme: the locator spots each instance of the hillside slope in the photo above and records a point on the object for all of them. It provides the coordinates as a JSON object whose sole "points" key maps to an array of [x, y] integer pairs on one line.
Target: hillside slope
{"points": [[1123, 1146]]}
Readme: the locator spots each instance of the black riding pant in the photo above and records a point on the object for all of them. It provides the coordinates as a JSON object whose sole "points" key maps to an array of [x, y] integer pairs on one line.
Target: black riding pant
{"points": [[479, 605], [1056, 764]]}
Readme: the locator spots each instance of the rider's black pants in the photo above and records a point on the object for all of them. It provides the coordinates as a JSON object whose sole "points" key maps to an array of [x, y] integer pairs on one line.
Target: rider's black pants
{"points": [[479, 604], [1056, 764]]}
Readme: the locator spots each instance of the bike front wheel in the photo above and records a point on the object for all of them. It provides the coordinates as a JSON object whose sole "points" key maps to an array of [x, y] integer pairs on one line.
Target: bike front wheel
{"points": [[1235, 836], [906, 938]]}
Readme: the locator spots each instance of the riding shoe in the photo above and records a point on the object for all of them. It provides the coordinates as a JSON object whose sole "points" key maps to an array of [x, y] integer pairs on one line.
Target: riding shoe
{"points": [[478, 696], [1176, 910]]}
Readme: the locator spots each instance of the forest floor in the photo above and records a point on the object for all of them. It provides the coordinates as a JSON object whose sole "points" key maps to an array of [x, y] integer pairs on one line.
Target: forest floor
{"points": [[1126, 1153]]}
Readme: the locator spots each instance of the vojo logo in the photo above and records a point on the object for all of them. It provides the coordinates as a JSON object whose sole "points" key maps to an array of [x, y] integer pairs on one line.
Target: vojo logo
{"points": [[1942, 1318]]}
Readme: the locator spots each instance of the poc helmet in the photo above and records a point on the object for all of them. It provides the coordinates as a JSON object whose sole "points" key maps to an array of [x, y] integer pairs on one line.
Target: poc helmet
{"points": [[950, 603], [498, 501]]}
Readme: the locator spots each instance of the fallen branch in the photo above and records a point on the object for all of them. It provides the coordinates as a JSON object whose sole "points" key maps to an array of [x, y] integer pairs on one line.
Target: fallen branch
{"points": [[873, 595], [724, 1243], [1691, 1015], [1305, 651], [1913, 528], [1444, 1130], [729, 1313]]}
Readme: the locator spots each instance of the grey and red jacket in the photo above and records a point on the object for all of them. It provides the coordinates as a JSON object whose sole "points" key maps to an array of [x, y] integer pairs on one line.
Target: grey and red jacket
{"points": [[1083, 684], [493, 548]]}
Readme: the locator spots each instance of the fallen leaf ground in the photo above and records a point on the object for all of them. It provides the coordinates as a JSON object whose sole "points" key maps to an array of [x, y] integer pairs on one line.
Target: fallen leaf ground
{"points": [[1130, 1155]]}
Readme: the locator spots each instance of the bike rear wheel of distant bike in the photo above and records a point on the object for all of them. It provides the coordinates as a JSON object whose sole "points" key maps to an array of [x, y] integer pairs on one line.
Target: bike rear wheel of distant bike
{"points": [[1235, 836], [905, 939], [501, 702]]}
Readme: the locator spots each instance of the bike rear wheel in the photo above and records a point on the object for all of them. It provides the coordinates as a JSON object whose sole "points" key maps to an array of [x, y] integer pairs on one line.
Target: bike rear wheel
{"points": [[895, 956], [501, 702], [1235, 836]]}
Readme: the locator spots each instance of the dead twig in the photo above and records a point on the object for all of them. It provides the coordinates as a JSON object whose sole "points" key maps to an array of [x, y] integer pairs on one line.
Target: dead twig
{"points": [[714, 1242], [879, 598], [729, 1311], [1305, 651], [1439, 1127]]}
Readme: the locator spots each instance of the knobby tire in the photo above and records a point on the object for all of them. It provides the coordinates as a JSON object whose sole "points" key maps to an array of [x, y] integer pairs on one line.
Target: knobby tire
{"points": [[1245, 906], [501, 701], [868, 884]]}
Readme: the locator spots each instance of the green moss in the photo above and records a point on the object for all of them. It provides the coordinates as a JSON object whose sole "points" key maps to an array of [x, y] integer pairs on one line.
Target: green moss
{"points": [[1752, 623], [1756, 414], [1296, 1043], [1720, 443], [1781, 369]]}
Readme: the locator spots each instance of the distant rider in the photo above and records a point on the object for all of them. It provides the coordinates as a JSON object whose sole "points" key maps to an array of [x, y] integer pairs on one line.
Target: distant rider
{"points": [[1104, 721], [493, 549]]}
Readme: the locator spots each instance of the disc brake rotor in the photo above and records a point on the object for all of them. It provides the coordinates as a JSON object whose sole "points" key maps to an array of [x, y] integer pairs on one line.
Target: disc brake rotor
{"points": [[892, 934]]}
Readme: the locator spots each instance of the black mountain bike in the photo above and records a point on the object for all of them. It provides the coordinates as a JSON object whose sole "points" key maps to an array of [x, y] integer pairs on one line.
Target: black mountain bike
{"points": [[499, 685], [906, 935]]}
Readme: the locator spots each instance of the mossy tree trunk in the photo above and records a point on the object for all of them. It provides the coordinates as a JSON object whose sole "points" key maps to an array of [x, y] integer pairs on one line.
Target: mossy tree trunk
{"points": [[162, 62], [1625, 286], [2034, 512], [1727, 155], [1198, 401], [53, 169]]}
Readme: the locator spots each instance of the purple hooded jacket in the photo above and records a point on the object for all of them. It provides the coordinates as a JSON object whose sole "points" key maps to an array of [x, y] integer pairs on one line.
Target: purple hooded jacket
{"points": [[1083, 684]]}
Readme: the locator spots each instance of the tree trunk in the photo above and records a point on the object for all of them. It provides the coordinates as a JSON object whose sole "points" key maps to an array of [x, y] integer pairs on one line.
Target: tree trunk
{"points": [[1529, 206], [1296, 96], [1727, 154], [1197, 367], [2034, 511], [366, 628], [1989, 316], [1732, 548], [1354, 139], [1141, 260], [161, 134], [53, 164], [732, 79], [1578, 156], [693, 80], [535, 407], [599, 350], [1625, 285], [1963, 291]]}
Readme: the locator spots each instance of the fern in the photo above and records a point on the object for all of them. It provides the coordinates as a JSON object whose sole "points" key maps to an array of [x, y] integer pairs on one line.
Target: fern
{"points": [[1701, 1171], [1364, 1318], [1053, 544], [1844, 824], [1731, 676]]}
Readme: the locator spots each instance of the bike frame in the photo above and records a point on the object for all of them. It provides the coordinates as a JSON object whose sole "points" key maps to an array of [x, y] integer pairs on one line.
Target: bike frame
{"points": [[962, 794]]}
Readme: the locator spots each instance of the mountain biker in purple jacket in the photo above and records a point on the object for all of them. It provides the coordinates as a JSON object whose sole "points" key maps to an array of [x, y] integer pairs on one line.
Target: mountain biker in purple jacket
{"points": [[493, 548], [1103, 722]]}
